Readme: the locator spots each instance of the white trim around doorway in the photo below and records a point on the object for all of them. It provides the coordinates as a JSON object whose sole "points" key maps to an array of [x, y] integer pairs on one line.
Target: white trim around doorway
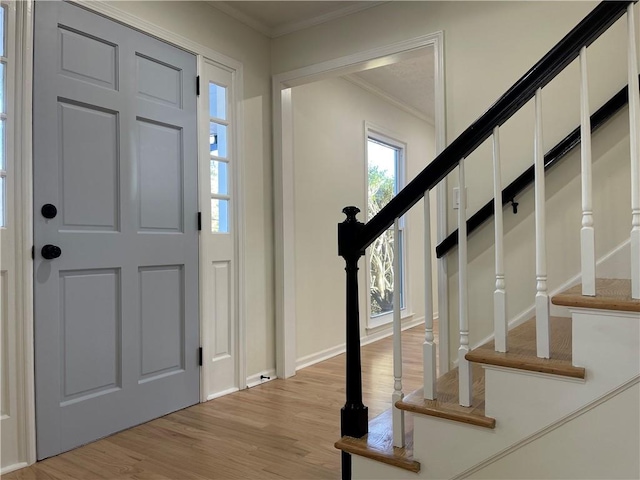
{"points": [[284, 179]]}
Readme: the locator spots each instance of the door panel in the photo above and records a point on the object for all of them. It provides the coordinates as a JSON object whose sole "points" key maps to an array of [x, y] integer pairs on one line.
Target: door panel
{"points": [[90, 368], [159, 82], [116, 315], [162, 322], [160, 150], [88, 58], [89, 166]]}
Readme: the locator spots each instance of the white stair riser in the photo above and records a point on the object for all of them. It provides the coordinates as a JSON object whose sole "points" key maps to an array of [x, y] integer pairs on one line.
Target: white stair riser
{"points": [[366, 469], [607, 344]]}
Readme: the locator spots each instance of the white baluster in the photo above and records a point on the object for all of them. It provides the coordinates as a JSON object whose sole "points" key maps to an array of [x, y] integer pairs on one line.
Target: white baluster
{"points": [[542, 297], [500, 294], [587, 234], [464, 368], [398, 415], [634, 134], [429, 346]]}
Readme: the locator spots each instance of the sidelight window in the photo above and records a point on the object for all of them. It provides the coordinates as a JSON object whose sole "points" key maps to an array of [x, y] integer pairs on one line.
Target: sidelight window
{"points": [[219, 158]]}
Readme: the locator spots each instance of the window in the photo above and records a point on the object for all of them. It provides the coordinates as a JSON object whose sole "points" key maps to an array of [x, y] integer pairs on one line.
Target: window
{"points": [[219, 158], [3, 113], [385, 168]]}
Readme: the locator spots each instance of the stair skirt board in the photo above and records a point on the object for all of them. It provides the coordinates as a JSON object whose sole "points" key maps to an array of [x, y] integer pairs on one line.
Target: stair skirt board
{"points": [[555, 425]]}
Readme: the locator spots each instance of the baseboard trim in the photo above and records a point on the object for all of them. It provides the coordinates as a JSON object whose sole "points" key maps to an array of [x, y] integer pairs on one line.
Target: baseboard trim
{"points": [[328, 353], [222, 393], [13, 468], [553, 426], [256, 379]]}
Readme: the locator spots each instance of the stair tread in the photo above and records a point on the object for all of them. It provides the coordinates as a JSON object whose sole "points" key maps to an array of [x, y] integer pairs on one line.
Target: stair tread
{"points": [[521, 343], [611, 294], [378, 443], [446, 405]]}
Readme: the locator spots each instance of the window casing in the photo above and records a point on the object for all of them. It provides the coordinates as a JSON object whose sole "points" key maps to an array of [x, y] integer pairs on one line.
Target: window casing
{"points": [[385, 166]]}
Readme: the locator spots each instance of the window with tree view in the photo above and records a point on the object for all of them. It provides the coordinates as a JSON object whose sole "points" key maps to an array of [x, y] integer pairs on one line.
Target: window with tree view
{"points": [[384, 168]]}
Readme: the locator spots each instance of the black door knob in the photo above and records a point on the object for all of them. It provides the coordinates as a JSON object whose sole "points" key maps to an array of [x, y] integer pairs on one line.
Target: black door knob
{"points": [[49, 211], [49, 252]]}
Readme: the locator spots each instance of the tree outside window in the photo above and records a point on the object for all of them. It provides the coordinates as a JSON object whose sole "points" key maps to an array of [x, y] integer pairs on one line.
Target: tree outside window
{"points": [[383, 169]]}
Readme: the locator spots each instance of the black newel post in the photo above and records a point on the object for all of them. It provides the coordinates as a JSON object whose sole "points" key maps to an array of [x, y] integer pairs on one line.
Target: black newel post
{"points": [[354, 415]]}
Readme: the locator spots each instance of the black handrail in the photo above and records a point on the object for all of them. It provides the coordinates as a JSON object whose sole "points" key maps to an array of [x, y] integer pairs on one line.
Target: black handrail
{"points": [[551, 158], [561, 55]]}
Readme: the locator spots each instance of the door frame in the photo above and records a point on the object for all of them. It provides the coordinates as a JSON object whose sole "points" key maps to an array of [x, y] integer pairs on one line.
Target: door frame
{"points": [[284, 182], [23, 207]]}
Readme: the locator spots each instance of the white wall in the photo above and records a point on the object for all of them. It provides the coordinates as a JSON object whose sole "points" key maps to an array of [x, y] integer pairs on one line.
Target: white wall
{"points": [[206, 25], [575, 450], [330, 168], [487, 47]]}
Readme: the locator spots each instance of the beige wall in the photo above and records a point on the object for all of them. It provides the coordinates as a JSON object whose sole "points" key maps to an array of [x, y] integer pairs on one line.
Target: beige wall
{"points": [[208, 26], [488, 46], [329, 157]]}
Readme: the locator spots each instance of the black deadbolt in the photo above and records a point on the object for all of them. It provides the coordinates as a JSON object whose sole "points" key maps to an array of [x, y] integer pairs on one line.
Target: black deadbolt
{"points": [[49, 211], [49, 252]]}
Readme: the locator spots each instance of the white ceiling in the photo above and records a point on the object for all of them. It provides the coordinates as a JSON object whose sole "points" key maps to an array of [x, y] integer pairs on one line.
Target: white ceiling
{"points": [[408, 84]]}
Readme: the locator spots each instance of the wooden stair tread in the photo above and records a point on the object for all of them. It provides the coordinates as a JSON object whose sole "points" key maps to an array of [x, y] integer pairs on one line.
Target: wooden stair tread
{"points": [[611, 294], [521, 343], [378, 443], [446, 405]]}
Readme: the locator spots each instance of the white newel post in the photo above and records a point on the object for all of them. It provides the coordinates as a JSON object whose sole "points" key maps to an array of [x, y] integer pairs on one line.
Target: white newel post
{"points": [[587, 233], [398, 415], [429, 346], [634, 135], [500, 295], [542, 297], [464, 368]]}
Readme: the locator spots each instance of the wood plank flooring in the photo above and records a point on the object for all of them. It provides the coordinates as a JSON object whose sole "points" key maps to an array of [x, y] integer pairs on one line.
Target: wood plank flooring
{"points": [[281, 429]]}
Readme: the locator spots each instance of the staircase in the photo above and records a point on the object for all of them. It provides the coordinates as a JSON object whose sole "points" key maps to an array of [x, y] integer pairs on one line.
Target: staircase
{"points": [[517, 396], [555, 396]]}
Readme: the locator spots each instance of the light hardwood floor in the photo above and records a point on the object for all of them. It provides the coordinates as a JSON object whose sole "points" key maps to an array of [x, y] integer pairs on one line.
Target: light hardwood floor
{"points": [[281, 429]]}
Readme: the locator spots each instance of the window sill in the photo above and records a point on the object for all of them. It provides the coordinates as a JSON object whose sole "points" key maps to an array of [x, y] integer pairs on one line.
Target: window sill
{"points": [[385, 320]]}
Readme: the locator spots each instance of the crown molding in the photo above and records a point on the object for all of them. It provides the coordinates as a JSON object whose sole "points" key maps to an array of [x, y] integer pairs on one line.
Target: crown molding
{"points": [[241, 17], [289, 27], [396, 102]]}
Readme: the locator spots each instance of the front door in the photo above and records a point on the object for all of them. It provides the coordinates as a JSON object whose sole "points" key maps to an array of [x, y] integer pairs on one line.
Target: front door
{"points": [[115, 227]]}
